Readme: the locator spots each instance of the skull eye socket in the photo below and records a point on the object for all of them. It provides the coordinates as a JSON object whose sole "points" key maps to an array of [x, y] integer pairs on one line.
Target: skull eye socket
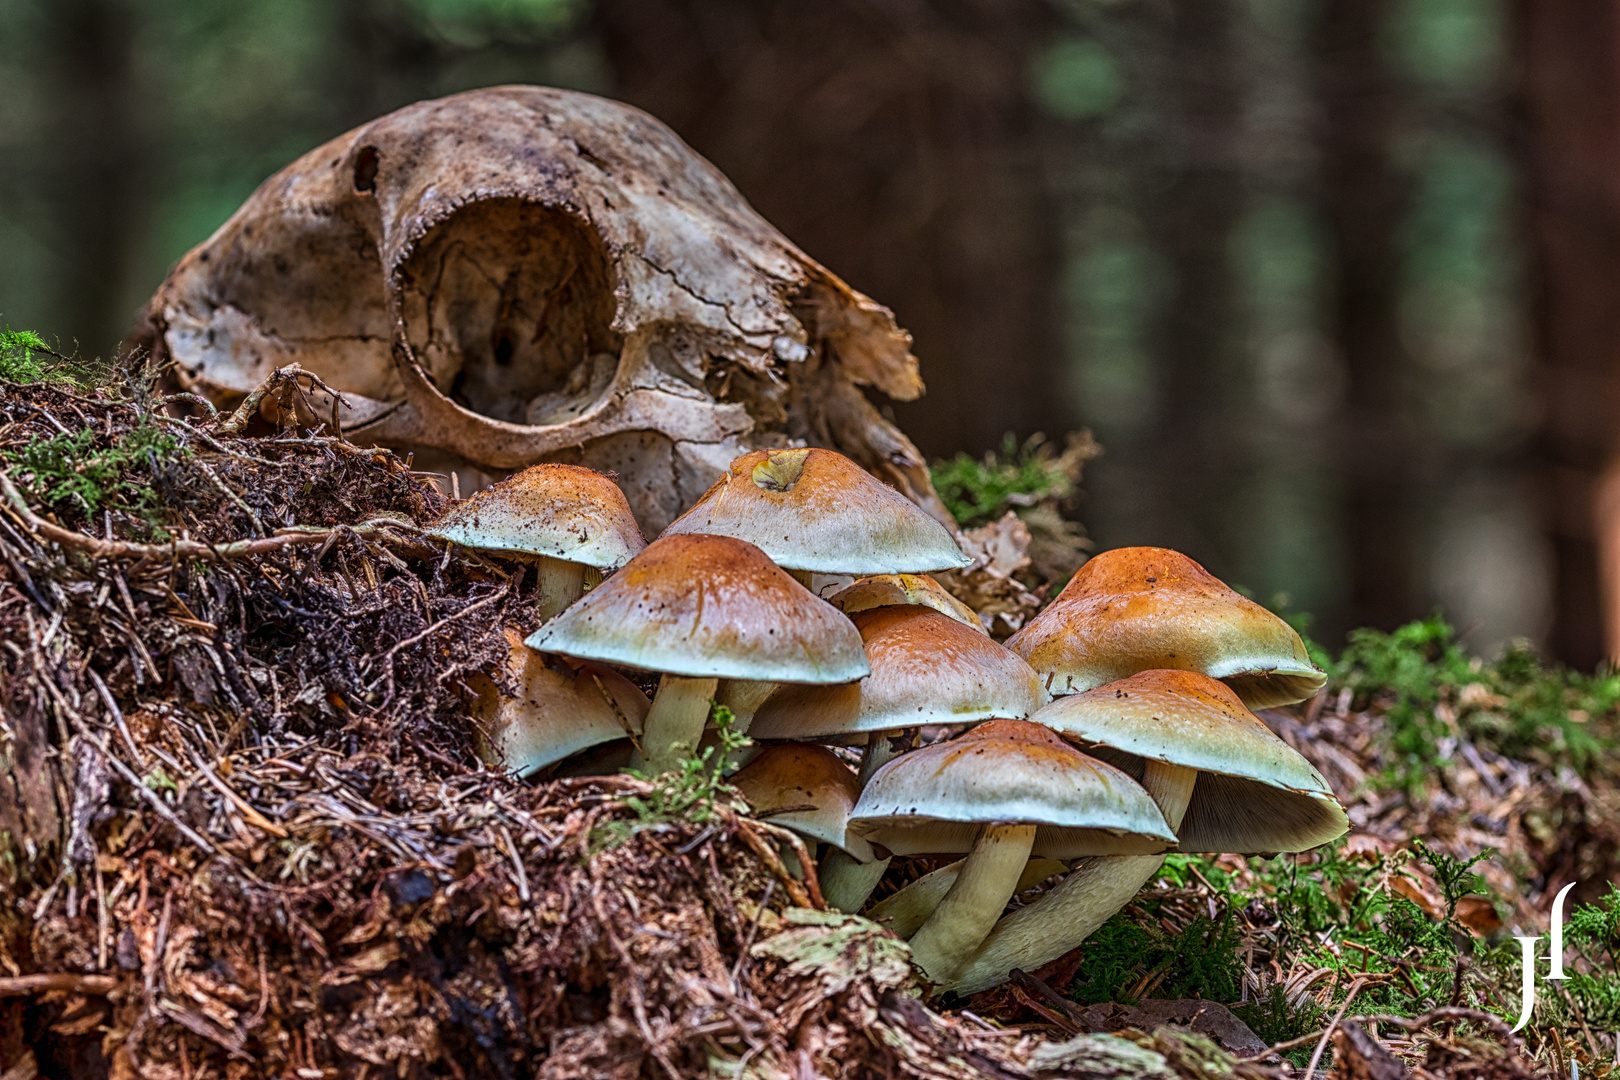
{"points": [[509, 305], [366, 164]]}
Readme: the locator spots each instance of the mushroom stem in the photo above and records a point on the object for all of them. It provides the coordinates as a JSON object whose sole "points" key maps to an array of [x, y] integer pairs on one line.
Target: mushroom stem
{"points": [[743, 697], [1082, 902], [883, 747], [846, 882], [675, 723], [560, 584], [908, 909], [987, 880], [1171, 787]]}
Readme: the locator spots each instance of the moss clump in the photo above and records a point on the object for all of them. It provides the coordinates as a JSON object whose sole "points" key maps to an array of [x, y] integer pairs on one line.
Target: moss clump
{"points": [[1131, 956], [690, 794], [26, 358], [980, 490], [1593, 932], [1429, 689], [22, 356], [83, 472]]}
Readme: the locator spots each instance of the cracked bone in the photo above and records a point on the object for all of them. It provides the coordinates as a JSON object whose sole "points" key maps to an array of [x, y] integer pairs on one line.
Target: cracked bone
{"points": [[519, 274]]}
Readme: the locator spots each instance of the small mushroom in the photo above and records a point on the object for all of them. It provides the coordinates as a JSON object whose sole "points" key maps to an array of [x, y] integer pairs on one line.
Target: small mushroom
{"points": [[1136, 609], [807, 789], [1224, 781], [573, 523], [895, 590], [1001, 792], [926, 669], [561, 708], [815, 511], [698, 609]]}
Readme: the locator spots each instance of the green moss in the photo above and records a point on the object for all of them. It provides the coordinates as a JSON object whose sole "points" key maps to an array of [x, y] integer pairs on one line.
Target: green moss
{"points": [[977, 490], [1325, 910], [23, 356], [1593, 933], [693, 793], [1133, 949], [1275, 1020], [1428, 688], [83, 473]]}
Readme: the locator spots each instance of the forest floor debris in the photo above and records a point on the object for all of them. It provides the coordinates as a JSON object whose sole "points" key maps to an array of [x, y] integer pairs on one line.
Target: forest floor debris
{"points": [[243, 831]]}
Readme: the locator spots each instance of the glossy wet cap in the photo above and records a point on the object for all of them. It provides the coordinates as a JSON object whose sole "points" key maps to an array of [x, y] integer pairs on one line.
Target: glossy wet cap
{"points": [[806, 788], [561, 708], [896, 590], [933, 800], [1136, 609], [562, 511], [815, 510], [708, 606], [1256, 794], [926, 669]]}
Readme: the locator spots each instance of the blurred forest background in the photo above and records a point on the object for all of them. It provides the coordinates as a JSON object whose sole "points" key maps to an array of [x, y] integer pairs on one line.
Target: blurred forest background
{"points": [[1336, 283]]}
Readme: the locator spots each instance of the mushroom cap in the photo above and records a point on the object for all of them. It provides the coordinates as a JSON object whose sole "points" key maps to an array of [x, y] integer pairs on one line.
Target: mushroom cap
{"points": [[812, 779], [564, 511], [1256, 794], [933, 800], [815, 510], [1136, 609], [561, 708], [927, 668], [894, 590], [708, 607]]}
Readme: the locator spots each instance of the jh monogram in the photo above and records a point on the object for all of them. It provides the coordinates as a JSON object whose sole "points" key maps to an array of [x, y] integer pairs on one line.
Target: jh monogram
{"points": [[1556, 969]]}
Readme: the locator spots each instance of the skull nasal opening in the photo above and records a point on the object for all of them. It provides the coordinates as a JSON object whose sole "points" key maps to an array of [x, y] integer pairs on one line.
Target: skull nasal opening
{"points": [[509, 306]]}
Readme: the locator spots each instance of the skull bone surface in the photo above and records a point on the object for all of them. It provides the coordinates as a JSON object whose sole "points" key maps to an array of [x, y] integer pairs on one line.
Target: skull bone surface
{"points": [[520, 274]]}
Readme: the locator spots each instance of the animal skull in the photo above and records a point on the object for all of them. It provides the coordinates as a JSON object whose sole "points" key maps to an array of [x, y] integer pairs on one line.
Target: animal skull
{"points": [[520, 274]]}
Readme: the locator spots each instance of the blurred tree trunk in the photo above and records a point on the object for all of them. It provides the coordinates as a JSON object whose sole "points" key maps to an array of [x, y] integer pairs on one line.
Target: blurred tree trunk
{"points": [[1199, 449], [1569, 59], [1362, 198], [95, 176], [896, 143]]}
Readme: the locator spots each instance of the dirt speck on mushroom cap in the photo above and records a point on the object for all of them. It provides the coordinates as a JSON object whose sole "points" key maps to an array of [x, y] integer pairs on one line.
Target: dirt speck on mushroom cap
{"points": [[1136, 609], [927, 668], [816, 510], [564, 511], [709, 606], [933, 799]]}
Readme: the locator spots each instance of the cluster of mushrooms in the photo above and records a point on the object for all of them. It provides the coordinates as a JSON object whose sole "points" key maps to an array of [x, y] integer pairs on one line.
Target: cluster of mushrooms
{"points": [[1113, 728]]}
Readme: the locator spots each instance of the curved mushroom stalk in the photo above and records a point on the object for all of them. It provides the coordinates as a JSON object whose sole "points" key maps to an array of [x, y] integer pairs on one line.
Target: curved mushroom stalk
{"points": [[846, 883], [1040, 933], [559, 583], [906, 911], [883, 747], [970, 909], [1072, 912], [744, 697], [675, 723]]}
